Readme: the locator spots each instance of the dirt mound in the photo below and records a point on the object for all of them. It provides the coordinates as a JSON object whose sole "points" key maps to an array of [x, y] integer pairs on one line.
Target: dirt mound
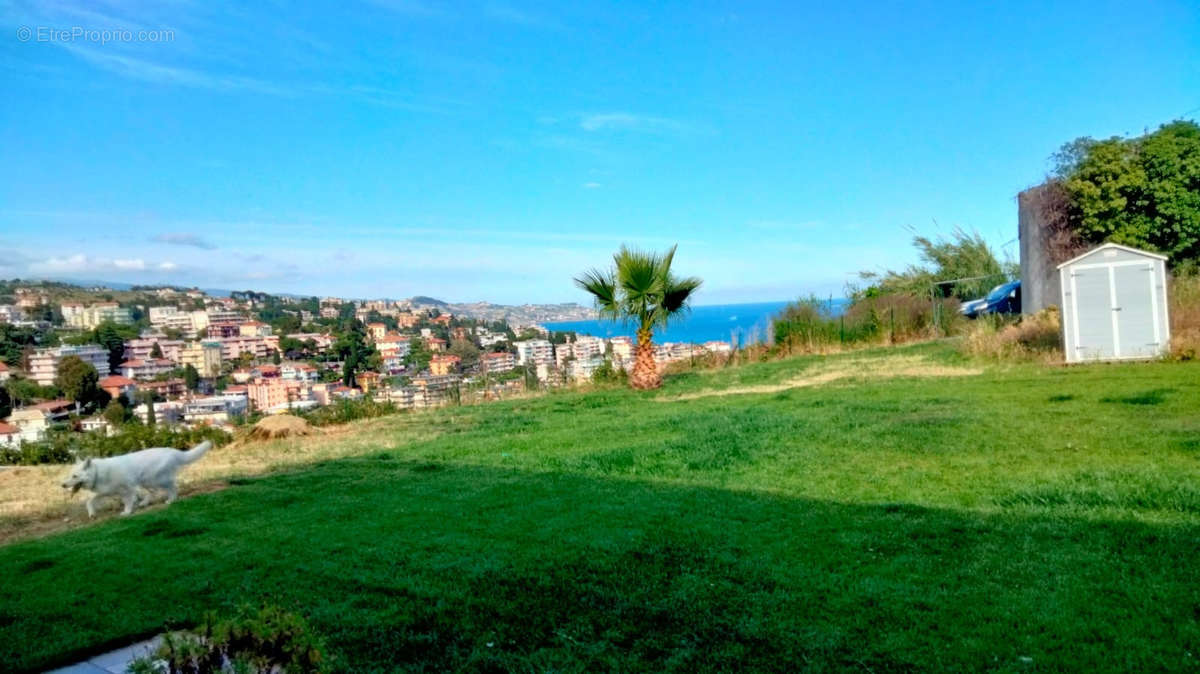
{"points": [[280, 426]]}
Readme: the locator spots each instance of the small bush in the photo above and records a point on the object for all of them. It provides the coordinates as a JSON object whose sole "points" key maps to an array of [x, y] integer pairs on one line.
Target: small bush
{"points": [[268, 640], [346, 410], [1029, 337]]}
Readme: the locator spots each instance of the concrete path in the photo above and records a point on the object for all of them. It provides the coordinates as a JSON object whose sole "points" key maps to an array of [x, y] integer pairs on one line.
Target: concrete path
{"points": [[113, 662]]}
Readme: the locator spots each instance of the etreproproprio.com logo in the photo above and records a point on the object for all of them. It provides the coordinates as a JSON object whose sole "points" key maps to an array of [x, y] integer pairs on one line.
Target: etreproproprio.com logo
{"points": [[94, 35]]}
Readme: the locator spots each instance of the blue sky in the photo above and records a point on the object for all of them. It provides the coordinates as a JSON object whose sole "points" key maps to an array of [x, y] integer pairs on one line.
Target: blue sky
{"points": [[491, 150]]}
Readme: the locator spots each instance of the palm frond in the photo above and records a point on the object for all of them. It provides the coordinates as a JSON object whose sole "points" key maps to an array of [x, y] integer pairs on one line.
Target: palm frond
{"points": [[603, 288]]}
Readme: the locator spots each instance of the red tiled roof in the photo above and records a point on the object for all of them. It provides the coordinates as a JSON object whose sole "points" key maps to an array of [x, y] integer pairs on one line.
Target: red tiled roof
{"points": [[116, 380], [3, 367], [51, 405], [7, 429], [132, 363]]}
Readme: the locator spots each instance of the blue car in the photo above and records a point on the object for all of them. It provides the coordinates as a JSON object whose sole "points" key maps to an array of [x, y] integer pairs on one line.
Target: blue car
{"points": [[1004, 299]]}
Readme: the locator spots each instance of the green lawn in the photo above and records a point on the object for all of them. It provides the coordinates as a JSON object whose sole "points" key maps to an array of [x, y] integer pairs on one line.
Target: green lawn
{"points": [[1025, 518]]}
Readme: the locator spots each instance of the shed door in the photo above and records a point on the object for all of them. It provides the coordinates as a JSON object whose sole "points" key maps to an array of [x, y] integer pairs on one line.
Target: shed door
{"points": [[1137, 322], [1092, 299]]}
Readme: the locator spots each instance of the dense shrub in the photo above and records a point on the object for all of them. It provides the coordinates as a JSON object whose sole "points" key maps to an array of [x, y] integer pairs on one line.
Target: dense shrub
{"points": [[67, 446], [269, 640], [346, 410]]}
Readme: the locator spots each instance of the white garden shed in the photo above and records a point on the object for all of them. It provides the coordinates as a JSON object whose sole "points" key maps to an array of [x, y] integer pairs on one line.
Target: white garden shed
{"points": [[1114, 304]]}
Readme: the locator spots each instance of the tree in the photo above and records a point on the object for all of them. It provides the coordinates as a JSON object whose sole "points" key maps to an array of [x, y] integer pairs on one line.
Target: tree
{"points": [[112, 337], [115, 413], [191, 377], [641, 288], [156, 351], [5, 402], [148, 399], [467, 351], [1142, 192], [275, 357], [78, 380], [962, 256]]}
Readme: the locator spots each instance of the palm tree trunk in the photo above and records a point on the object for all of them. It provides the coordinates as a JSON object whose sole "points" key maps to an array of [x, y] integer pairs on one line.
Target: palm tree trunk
{"points": [[645, 371]]}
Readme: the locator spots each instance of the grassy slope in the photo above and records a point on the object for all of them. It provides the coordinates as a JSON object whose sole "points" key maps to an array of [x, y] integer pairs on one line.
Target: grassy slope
{"points": [[1025, 517]]}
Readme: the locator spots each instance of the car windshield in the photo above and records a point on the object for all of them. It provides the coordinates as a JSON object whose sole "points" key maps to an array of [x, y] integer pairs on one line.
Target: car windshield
{"points": [[999, 292]]}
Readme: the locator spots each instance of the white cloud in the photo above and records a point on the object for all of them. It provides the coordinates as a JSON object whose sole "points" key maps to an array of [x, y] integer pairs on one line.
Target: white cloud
{"points": [[184, 239], [136, 264], [168, 266], [625, 121]]}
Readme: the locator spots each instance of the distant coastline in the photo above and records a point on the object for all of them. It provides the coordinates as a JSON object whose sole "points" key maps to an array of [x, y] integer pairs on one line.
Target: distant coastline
{"points": [[714, 322]]}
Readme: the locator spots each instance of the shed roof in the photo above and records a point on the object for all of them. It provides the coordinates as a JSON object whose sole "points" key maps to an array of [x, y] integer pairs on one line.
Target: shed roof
{"points": [[1107, 246]]}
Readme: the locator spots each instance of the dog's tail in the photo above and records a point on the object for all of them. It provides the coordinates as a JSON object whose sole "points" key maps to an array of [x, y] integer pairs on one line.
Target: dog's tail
{"points": [[196, 452]]}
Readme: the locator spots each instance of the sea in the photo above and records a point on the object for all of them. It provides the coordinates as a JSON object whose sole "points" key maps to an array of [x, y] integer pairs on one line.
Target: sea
{"points": [[714, 322]]}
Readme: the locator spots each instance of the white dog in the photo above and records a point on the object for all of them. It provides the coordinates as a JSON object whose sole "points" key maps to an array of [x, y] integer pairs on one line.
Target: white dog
{"points": [[153, 468]]}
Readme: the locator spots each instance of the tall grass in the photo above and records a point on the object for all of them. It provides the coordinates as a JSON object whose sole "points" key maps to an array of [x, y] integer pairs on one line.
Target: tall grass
{"points": [[808, 326], [1183, 298], [1036, 337]]}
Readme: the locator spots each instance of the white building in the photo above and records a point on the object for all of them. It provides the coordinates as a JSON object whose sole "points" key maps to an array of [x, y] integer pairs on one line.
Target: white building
{"points": [[43, 364], [10, 313], [87, 318], [582, 368], [586, 347], [214, 409], [535, 351]]}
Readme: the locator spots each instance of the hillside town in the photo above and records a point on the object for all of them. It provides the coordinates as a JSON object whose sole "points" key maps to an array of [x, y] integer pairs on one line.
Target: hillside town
{"points": [[162, 355]]}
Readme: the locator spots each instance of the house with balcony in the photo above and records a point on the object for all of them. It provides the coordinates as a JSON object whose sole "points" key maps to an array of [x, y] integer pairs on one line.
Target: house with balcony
{"points": [[376, 331], [144, 369], [498, 362], [43, 364], [442, 364], [33, 421], [254, 329]]}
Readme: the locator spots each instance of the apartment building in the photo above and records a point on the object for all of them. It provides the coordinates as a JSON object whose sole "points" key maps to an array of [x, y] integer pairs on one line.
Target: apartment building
{"points": [[33, 421], [142, 348], [534, 351], [214, 410], [10, 313], [223, 315], [147, 368], [88, 317], [583, 368], [498, 362], [266, 394], [259, 347], [204, 356], [171, 318], [254, 329], [586, 347], [376, 331], [43, 364], [442, 364], [623, 349]]}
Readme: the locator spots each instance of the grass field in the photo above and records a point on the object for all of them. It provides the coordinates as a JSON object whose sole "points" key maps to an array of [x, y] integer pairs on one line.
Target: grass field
{"points": [[886, 510]]}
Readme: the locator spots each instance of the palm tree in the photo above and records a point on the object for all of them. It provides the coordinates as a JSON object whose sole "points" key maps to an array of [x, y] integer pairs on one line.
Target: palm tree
{"points": [[641, 289]]}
